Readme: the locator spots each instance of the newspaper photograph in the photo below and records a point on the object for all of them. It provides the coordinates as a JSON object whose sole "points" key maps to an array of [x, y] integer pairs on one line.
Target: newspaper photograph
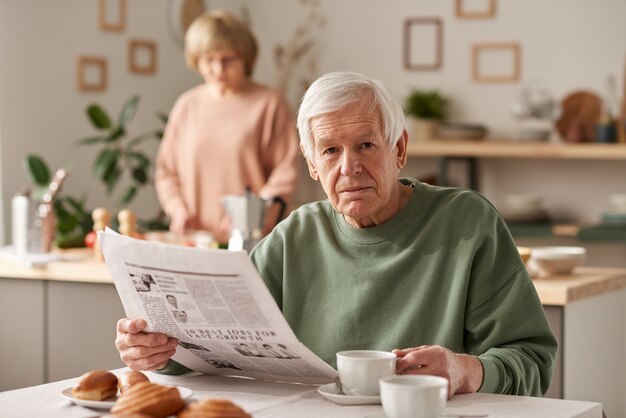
{"points": [[217, 306]]}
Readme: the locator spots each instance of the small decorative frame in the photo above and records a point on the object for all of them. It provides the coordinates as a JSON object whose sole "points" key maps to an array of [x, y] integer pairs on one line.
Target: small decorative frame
{"points": [[135, 47], [117, 26], [437, 62], [86, 63], [489, 11], [512, 47]]}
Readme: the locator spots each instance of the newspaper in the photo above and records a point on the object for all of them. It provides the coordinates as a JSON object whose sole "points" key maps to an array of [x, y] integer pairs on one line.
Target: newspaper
{"points": [[217, 306]]}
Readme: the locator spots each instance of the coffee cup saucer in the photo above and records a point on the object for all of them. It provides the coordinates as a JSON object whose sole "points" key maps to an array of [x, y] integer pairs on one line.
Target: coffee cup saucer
{"points": [[331, 392]]}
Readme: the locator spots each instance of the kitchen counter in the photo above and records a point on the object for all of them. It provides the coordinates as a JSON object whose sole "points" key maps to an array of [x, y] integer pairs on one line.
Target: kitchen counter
{"points": [[583, 283], [80, 266], [83, 267]]}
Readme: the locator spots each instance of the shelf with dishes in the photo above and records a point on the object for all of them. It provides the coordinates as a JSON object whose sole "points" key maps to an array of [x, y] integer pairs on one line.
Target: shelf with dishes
{"points": [[527, 217]]}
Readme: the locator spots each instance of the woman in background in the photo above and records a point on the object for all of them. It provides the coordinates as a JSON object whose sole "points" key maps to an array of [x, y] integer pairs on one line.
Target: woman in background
{"points": [[225, 135]]}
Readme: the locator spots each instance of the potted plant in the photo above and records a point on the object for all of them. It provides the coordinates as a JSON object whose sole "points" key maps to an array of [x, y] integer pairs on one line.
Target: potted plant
{"points": [[117, 157], [428, 108]]}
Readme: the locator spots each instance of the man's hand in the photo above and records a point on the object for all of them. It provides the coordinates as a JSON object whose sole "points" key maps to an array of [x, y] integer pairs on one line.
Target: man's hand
{"points": [[141, 350], [464, 372]]}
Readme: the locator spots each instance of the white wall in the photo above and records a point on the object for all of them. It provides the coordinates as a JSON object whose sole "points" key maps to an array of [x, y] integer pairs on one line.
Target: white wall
{"points": [[566, 44]]}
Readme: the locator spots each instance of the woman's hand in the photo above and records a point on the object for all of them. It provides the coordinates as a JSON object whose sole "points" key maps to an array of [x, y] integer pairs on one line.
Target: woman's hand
{"points": [[141, 350], [183, 222], [464, 372]]}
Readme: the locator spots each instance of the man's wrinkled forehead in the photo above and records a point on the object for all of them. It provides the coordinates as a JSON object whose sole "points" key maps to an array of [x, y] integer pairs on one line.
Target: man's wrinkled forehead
{"points": [[364, 111]]}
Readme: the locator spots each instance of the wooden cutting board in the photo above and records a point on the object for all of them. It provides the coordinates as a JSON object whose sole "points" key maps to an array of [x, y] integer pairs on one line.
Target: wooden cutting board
{"points": [[580, 113]]}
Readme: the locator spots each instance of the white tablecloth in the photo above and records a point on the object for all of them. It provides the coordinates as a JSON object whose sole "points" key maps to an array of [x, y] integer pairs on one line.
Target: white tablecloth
{"points": [[269, 399]]}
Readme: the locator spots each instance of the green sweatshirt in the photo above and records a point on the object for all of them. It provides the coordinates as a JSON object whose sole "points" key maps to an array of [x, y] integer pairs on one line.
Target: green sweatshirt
{"points": [[443, 271]]}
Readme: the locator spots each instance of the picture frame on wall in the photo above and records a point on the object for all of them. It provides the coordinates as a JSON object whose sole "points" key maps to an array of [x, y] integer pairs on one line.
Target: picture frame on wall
{"points": [[423, 43], [112, 15], [142, 56], [91, 73], [475, 9], [505, 62]]}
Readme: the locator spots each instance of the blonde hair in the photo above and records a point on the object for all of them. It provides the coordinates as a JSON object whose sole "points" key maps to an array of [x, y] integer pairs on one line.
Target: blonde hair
{"points": [[217, 31]]}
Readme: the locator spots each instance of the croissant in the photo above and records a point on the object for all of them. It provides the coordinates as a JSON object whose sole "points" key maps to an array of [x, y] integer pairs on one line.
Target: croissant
{"points": [[129, 379], [213, 408], [158, 401], [95, 385]]}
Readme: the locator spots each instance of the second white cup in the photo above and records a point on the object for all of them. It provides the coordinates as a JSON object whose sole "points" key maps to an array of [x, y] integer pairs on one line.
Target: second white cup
{"points": [[360, 370], [412, 396]]}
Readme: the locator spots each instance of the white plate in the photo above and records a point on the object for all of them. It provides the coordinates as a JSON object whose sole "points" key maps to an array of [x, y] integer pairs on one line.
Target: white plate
{"points": [[106, 405], [331, 393]]}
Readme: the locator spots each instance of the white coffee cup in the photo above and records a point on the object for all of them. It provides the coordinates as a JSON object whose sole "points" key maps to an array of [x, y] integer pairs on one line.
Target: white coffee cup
{"points": [[360, 370], [413, 396]]}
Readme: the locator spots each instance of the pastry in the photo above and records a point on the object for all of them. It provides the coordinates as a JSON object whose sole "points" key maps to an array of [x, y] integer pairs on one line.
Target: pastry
{"points": [[95, 385], [158, 401], [126, 415], [129, 379], [213, 408]]}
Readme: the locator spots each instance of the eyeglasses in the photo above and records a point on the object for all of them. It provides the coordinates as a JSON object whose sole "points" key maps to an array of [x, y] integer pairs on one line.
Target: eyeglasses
{"points": [[223, 61]]}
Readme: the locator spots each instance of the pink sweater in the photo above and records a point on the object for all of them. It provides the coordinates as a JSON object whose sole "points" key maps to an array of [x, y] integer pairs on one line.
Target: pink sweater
{"points": [[219, 146]]}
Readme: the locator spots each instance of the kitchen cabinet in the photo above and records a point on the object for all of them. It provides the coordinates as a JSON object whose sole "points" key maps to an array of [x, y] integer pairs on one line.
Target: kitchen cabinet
{"points": [[81, 327], [57, 322], [587, 313], [22, 329]]}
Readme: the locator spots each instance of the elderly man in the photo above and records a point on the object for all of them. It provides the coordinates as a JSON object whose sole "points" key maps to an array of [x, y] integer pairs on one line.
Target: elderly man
{"points": [[390, 263]]}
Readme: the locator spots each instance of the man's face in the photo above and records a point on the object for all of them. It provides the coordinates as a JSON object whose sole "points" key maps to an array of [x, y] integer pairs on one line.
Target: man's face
{"points": [[355, 166]]}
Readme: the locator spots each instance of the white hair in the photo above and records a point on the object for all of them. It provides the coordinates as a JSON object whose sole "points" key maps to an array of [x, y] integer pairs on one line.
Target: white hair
{"points": [[333, 91]]}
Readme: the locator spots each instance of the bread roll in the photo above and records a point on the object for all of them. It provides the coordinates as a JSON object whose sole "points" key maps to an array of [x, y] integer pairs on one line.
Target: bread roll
{"points": [[129, 379], [213, 408], [95, 385], [128, 415], [151, 399]]}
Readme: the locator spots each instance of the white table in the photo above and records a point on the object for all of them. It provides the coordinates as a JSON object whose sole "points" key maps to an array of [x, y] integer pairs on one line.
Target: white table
{"points": [[269, 399]]}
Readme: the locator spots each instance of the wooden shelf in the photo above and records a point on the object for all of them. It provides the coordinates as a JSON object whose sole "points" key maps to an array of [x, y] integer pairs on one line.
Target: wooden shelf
{"points": [[510, 149]]}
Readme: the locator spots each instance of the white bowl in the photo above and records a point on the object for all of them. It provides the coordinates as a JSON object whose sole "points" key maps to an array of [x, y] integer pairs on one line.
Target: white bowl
{"points": [[556, 260], [524, 202], [618, 202]]}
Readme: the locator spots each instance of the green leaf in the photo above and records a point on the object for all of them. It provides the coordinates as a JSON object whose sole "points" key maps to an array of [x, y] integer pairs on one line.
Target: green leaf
{"points": [[72, 239], [65, 225], [98, 117], [163, 117], [92, 140], [105, 161], [116, 134], [141, 158], [112, 178], [139, 174], [37, 169], [128, 112], [128, 196], [60, 210], [78, 206], [426, 104]]}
